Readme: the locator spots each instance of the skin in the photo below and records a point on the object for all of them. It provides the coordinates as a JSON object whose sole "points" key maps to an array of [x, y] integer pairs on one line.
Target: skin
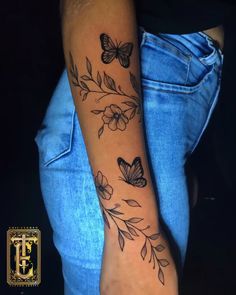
{"points": [[217, 33], [108, 102]]}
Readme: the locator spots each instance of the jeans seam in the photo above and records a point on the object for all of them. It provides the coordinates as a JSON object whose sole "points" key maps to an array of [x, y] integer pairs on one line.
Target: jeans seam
{"points": [[188, 70], [212, 107]]}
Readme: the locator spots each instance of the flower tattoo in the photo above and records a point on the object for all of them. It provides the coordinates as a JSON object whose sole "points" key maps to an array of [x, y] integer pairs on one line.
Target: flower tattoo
{"points": [[104, 190], [115, 117], [102, 85]]}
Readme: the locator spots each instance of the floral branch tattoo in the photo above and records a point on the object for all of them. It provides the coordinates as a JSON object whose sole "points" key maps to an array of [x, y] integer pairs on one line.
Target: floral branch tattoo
{"points": [[103, 85], [130, 229]]}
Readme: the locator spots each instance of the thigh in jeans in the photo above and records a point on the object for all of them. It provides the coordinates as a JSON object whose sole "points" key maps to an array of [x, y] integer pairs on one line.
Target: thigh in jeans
{"points": [[178, 94], [69, 194]]}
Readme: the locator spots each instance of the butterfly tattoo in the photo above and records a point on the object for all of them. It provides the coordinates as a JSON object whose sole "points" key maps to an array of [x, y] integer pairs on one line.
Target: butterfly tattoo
{"points": [[118, 50], [133, 174]]}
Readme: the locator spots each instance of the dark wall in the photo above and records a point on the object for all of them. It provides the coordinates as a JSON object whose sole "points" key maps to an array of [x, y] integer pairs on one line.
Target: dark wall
{"points": [[31, 63]]}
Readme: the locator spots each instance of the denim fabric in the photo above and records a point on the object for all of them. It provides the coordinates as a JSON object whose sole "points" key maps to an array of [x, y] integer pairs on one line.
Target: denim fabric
{"points": [[180, 77]]}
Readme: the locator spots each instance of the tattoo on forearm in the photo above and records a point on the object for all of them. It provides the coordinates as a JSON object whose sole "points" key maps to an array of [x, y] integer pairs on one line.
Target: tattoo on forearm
{"points": [[99, 82], [113, 116], [128, 228], [117, 50], [132, 173], [104, 190]]}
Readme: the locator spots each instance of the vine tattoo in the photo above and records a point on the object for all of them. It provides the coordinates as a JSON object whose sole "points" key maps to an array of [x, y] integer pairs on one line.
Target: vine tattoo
{"points": [[111, 51], [103, 85], [116, 117], [128, 228], [132, 173]]}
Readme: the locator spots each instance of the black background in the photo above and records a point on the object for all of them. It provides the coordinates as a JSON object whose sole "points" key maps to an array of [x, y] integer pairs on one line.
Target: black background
{"points": [[31, 63]]}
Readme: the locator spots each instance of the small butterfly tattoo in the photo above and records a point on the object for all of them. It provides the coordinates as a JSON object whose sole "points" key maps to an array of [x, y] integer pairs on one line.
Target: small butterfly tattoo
{"points": [[133, 174], [118, 50]]}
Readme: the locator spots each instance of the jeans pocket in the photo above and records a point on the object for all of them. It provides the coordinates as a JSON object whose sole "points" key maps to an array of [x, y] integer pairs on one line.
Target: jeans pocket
{"points": [[54, 137], [169, 64]]}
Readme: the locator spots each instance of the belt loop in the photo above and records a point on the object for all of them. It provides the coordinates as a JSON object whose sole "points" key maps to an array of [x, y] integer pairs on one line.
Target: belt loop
{"points": [[211, 58], [141, 35]]}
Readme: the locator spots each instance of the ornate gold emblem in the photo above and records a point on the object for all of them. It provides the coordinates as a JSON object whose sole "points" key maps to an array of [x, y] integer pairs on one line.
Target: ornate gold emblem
{"points": [[23, 256]]}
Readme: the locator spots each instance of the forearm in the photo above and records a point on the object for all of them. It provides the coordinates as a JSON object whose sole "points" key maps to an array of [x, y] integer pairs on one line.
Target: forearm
{"points": [[105, 84], [81, 37]]}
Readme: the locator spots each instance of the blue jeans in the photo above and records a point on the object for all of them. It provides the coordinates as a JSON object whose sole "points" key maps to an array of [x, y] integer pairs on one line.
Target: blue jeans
{"points": [[180, 76]]}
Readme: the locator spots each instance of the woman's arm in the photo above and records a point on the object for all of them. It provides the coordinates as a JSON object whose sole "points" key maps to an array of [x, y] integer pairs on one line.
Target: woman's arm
{"points": [[102, 58]]}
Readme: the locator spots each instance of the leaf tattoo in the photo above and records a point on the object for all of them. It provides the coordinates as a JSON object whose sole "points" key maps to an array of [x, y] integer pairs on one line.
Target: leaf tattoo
{"points": [[100, 82], [74, 71], [121, 240], [153, 256], [89, 66], [132, 203], [134, 83], [109, 82], [132, 231]]}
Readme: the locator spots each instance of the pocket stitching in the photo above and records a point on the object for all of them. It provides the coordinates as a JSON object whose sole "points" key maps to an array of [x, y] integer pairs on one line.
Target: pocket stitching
{"points": [[175, 88], [68, 149], [165, 44]]}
